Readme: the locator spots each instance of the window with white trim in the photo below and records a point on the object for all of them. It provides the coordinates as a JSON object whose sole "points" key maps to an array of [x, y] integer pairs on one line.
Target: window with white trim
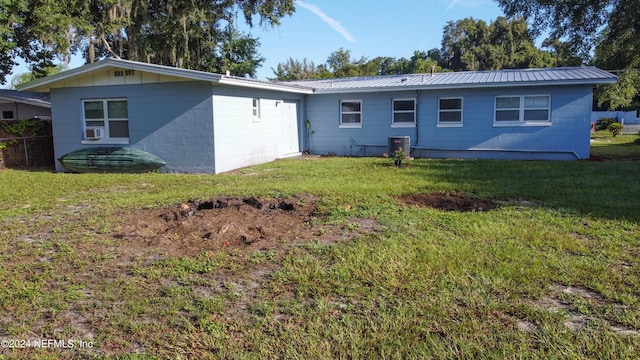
{"points": [[450, 112], [107, 117], [525, 109], [351, 113], [255, 106], [404, 113]]}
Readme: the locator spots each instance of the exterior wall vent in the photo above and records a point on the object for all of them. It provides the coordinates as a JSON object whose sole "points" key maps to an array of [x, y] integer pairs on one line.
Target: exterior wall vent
{"points": [[127, 72]]}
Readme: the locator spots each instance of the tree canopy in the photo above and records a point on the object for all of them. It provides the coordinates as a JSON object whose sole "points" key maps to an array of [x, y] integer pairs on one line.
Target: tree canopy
{"points": [[470, 44], [193, 34], [578, 21], [603, 32], [341, 64]]}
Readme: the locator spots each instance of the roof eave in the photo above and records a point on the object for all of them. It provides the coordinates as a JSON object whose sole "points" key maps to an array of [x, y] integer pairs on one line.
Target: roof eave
{"points": [[44, 104], [44, 84]]}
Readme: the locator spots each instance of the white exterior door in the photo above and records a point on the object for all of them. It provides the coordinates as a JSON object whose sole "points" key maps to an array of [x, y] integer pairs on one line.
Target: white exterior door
{"points": [[290, 144]]}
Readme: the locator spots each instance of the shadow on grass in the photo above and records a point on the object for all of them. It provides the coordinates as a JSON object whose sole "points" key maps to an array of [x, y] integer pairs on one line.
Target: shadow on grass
{"points": [[621, 152], [608, 190]]}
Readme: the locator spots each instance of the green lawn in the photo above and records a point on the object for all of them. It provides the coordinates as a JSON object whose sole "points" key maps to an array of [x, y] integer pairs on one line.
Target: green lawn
{"points": [[620, 147], [553, 272]]}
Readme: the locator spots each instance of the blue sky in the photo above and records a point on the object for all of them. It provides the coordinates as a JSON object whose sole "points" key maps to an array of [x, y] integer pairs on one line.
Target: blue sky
{"points": [[368, 28]]}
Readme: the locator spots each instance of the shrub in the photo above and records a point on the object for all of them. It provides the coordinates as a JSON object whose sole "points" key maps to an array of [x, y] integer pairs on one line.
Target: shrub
{"points": [[615, 128], [604, 123]]}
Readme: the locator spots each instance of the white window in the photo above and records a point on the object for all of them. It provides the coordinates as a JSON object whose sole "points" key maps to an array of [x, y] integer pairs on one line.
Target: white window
{"points": [[7, 115], [256, 109], [450, 112], [404, 113], [523, 110], [351, 113], [110, 119]]}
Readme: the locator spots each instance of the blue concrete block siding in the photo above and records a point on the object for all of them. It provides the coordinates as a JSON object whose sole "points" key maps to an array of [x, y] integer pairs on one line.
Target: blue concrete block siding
{"points": [[565, 138], [193, 126], [173, 121]]}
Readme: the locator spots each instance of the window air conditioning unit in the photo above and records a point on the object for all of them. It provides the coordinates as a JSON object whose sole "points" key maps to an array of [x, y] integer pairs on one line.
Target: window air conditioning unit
{"points": [[94, 134]]}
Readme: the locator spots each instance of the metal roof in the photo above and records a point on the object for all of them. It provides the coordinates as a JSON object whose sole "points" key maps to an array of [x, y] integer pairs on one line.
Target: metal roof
{"points": [[23, 97], [465, 79]]}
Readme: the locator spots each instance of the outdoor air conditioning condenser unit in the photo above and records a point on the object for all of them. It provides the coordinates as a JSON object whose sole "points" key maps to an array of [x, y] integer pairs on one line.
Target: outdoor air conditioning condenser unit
{"points": [[396, 142]]}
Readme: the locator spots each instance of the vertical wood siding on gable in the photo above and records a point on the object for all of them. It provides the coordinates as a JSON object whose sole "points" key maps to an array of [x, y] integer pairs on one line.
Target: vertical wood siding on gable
{"points": [[106, 77], [173, 121], [569, 130]]}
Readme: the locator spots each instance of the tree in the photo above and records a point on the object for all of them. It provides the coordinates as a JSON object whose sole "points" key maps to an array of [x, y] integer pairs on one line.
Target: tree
{"points": [[620, 95], [610, 29], [193, 34], [577, 21], [470, 44], [237, 54], [340, 64], [421, 63], [300, 70], [10, 19], [21, 79], [461, 41], [563, 53]]}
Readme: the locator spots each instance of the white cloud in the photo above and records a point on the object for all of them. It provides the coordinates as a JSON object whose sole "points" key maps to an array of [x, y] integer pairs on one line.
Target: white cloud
{"points": [[452, 4], [335, 25]]}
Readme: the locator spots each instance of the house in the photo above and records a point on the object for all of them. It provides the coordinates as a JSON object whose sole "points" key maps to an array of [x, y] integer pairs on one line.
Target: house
{"points": [[629, 119], [197, 122], [19, 105], [209, 123], [24, 147], [507, 114]]}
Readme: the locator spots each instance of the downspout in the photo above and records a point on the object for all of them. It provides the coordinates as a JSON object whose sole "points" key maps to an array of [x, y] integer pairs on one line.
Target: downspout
{"points": [[307, 129], [417, 117]]}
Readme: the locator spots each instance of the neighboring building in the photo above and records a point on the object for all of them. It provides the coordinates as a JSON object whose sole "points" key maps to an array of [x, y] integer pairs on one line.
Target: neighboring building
{"points": [[208, 123], [29, 148], [20, 105]]}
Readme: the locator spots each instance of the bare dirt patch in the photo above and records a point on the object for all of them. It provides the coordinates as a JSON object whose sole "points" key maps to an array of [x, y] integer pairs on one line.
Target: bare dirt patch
{"points": [[449, 202], [228, 223]]}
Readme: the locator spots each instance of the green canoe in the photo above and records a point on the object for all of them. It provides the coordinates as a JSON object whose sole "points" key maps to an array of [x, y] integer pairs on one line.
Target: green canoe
{"points": [[111, 160]]}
